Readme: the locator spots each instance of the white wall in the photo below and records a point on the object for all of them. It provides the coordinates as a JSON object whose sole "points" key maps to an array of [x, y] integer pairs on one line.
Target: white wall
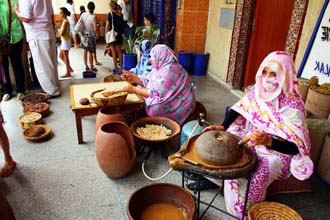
{"points": [[101, 6]]}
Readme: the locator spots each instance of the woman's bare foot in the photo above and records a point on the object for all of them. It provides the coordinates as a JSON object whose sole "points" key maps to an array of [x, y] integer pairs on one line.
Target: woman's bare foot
{"points": [[8, 168]]}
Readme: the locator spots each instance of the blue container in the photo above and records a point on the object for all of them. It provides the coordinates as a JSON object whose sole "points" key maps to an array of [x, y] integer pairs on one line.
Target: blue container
{"points": [[130, 61], [89, 74], [200, 64], [188, 128], [185, 59]]}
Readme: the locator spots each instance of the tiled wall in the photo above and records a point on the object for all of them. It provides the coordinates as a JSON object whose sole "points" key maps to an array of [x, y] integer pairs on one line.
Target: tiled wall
{"points": [[191, 25]]}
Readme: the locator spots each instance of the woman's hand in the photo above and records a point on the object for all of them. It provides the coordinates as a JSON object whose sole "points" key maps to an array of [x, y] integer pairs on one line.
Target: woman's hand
{"points": [[259, 137], [130, 77], [213, 127], [129, 89]]}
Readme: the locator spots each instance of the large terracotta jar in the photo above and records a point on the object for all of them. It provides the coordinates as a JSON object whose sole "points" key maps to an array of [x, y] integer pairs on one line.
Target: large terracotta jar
{"points": [[115, 149], [106, 115]]}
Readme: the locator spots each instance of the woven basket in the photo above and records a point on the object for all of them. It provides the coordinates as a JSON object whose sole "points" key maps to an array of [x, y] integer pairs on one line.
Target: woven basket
{"points": [[40, 107], [29, 119], [272, 210], [113, 100], [34, 98], [29, 130]]}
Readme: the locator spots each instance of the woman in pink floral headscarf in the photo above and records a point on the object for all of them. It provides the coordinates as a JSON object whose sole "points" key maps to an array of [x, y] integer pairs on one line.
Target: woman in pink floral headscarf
{"points": [[167, 88], [272, 115]]}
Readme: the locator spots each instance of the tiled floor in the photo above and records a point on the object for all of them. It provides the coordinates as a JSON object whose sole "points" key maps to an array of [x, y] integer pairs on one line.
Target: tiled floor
{"points": [[59, 179]]}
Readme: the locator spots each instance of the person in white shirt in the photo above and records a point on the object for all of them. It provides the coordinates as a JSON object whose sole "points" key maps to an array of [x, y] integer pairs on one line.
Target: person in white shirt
{"points": [[37, 18], [126, 10], [72, 20]]}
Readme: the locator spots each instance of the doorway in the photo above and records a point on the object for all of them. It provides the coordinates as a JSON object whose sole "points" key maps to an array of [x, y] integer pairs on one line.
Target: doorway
{"points": [[269, 32]]}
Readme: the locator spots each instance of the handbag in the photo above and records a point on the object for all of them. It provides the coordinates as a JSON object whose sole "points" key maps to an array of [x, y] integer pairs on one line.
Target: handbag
{"points": [[79, 27], [110, 36], [5, 40]]}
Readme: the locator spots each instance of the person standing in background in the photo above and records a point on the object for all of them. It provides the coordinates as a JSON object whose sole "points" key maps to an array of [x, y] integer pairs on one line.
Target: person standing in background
{"points": [[65, 41], [72, 19], [82, 9], [16, 45], [37, 18], [126, 11], [89, 36]]}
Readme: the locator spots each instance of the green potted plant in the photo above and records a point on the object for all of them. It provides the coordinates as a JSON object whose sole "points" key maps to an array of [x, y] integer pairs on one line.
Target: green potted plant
{"points": [[129, 44]]}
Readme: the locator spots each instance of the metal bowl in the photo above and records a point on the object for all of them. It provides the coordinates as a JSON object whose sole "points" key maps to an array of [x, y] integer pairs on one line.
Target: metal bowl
{"points": [[160, 193], [156, 120]]}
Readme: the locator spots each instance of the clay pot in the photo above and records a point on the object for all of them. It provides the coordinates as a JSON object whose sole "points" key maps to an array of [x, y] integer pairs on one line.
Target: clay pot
{"points": [[115, 149], [106, 115], [218, 147], [160, 193]]}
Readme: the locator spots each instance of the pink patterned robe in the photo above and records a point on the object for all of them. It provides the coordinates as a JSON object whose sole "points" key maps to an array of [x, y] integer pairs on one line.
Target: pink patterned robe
{"points": [[281, 115], [170, 92]]}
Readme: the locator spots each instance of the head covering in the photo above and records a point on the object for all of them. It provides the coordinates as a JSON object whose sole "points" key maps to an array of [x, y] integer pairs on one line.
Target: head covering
{"points": [[282, 113], [162, 56], [144, 66], [169, 88], [282, 64]]}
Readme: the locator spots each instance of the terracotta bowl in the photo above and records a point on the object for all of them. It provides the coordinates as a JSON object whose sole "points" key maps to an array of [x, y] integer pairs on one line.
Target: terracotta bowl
{"points": [[156, 120], [160, 193]]}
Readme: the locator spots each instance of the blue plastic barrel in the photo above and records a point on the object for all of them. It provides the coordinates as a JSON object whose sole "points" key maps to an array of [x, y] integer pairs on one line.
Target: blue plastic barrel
{"points": [[188, 128], [185, 59], [130, 61], [200, 64]]}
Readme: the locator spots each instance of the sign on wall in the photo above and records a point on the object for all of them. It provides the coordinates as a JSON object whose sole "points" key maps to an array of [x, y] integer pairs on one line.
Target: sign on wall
{"points": [[316, 61]]}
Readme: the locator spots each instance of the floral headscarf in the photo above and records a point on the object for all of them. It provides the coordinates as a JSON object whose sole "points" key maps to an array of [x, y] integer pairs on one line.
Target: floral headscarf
{"points": [[282, 113], [162, 56], [144, 66]]}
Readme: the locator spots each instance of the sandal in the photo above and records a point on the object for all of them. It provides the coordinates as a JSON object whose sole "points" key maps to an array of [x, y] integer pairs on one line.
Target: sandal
{"points": [[94, 69], [98, 63], [19, 96], [7, 172], [87, 69], [6, 97]]}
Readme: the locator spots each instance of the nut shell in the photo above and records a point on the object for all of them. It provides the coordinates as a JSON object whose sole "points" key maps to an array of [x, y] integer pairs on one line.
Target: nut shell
{"points": [[84, 101]]}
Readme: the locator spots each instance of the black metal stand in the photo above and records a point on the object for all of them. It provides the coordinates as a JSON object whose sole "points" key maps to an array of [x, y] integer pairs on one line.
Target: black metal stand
{"points": [[150, 146], [197, 197]]}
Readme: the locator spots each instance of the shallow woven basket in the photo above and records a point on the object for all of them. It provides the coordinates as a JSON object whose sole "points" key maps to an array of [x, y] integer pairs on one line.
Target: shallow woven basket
{"points": [[273, 211], [109, 101], [43, 108], [34, 97], [28, 130], [35, 118]]}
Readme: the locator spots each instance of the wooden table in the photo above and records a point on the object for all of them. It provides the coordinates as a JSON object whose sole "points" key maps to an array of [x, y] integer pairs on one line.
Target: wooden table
{"points": [[133, 103]]}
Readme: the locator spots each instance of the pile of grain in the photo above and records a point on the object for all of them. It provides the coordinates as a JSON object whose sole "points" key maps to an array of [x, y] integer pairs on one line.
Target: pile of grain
{"points": [[154, 132]]}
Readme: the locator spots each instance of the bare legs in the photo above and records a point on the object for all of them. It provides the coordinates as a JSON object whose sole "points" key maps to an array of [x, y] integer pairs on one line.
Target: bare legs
{"points": [[64, 55], [90, 60], [10, 164], [75, 41], [116, 53], [120, 54]]}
